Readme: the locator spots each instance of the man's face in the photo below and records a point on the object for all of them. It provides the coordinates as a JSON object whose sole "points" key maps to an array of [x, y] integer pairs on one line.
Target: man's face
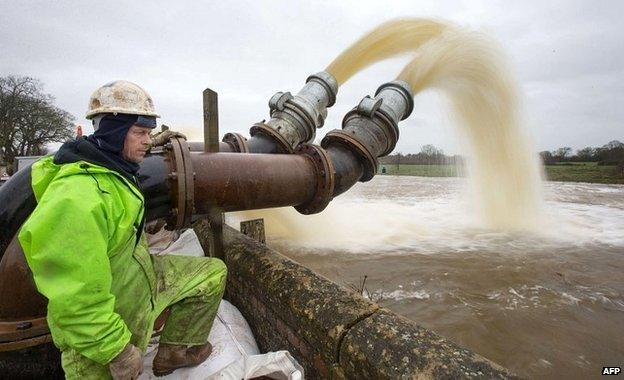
{"points": [[136, 144]]}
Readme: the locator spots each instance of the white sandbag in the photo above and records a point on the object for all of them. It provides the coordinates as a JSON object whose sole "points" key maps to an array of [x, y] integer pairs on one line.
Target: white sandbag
{"points": [[169, 243], [279, 365], [231, 340]]}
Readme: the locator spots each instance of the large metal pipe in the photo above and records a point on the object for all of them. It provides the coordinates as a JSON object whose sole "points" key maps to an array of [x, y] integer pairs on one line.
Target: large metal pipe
{"points": [[17, 201], [235, 182], [198, 146]]}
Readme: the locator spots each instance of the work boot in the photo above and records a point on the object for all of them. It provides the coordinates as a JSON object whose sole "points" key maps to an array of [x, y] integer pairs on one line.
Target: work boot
{"points": [[173, 356]]}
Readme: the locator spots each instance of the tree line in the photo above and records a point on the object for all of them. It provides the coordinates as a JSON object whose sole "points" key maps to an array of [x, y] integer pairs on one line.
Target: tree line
{"points": [[29, 120], [611, 153], [428, 155]]}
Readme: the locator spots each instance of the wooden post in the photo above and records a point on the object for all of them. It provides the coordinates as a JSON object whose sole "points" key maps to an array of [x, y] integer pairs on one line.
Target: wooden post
{"points": [[254, 229], [211, 121], [211, 144]]}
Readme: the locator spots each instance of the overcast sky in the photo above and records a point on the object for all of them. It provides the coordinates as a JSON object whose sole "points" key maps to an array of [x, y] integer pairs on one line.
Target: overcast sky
{"points": [[568, 57]]}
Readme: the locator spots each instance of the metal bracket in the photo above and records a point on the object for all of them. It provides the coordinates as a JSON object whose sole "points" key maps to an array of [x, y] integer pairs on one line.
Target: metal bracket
{"points": [[278, 101], [368, 106]]}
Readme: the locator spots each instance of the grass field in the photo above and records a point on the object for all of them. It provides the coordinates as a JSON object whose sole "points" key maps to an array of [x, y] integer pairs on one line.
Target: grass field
{"points": [[584, 172], [567, 172], [421, 170]]}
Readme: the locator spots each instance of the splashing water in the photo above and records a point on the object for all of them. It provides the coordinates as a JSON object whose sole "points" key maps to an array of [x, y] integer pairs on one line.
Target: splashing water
{"points": [[504, 170], [387, 40], [470, 70]]}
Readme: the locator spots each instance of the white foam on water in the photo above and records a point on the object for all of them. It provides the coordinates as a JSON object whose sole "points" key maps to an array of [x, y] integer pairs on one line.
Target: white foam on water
{"points": [[438, 217], [399, 295]]}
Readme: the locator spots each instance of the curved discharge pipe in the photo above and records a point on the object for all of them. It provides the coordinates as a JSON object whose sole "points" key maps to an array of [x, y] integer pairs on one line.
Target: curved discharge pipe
{"points": [[179, 182]]}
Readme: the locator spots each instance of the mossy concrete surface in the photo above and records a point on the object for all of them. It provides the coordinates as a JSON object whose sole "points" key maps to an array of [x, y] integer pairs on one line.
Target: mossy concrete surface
{"points": [[388, 346], [332, 332]]}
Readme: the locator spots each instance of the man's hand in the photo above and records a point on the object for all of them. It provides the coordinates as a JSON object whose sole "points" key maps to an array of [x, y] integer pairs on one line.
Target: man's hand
{"points": [[163, 137], [127, 365]]}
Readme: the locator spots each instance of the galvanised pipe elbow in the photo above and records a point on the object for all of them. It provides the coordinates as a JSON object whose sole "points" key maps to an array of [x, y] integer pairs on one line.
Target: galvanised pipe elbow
{"points": [[371, 129], [294, 119]]}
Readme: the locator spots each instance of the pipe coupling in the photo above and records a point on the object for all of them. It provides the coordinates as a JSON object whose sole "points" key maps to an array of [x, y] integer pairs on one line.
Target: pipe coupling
{"points": [[237, 141], [371, 129], [294, 119], [325, 178], [182, 183]]}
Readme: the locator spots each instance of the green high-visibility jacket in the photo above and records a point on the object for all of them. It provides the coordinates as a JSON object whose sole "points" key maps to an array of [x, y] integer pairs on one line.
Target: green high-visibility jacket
{"points": [[81, 245]]}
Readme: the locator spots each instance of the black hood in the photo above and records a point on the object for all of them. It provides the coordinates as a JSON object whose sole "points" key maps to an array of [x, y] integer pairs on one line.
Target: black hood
{"points": [[84, 150]]}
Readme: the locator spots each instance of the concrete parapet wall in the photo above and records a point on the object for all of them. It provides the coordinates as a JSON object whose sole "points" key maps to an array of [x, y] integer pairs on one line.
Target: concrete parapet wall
{"points": [[332, 332]]}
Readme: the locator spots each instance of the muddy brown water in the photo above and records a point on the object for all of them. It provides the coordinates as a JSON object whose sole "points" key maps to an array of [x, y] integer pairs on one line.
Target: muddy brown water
{"points": [[546, 304]]}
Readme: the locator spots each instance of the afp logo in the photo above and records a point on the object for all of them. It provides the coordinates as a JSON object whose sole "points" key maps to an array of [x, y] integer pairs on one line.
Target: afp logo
{"points": [[611, 370]]}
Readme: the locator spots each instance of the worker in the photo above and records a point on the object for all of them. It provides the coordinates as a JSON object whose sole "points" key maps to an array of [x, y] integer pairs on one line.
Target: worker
{"points": [[86, 247]]}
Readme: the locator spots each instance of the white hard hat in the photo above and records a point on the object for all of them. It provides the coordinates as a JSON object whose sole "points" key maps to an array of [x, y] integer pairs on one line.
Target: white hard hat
{"points": [[121, 96]]}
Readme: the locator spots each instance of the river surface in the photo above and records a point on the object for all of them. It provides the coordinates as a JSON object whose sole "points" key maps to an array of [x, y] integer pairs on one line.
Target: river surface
{"points": [[545, 304]]}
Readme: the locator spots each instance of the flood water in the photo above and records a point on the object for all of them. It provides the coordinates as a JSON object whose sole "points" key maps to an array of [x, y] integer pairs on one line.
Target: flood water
{"points": [[545, 304]]}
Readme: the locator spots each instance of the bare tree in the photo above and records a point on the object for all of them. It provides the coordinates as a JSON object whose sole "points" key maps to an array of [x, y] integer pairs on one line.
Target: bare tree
{"points": [[430, 150], [28, 119], [611, 153], [547, 158], [561, 153], [399, 156], [586, 154]]}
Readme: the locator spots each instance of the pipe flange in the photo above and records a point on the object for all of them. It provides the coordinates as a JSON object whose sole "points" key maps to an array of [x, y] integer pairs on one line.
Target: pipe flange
{"points": [[382, 121], [393, 130], [324, 179], [237, 141], [369, 161], [182, 177], [311, 118], [264, 129]]}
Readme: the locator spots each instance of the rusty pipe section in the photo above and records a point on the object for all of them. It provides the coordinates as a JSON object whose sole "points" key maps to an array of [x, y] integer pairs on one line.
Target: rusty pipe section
{"points": [[201, 181], [235, 182], [371, 129]]}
